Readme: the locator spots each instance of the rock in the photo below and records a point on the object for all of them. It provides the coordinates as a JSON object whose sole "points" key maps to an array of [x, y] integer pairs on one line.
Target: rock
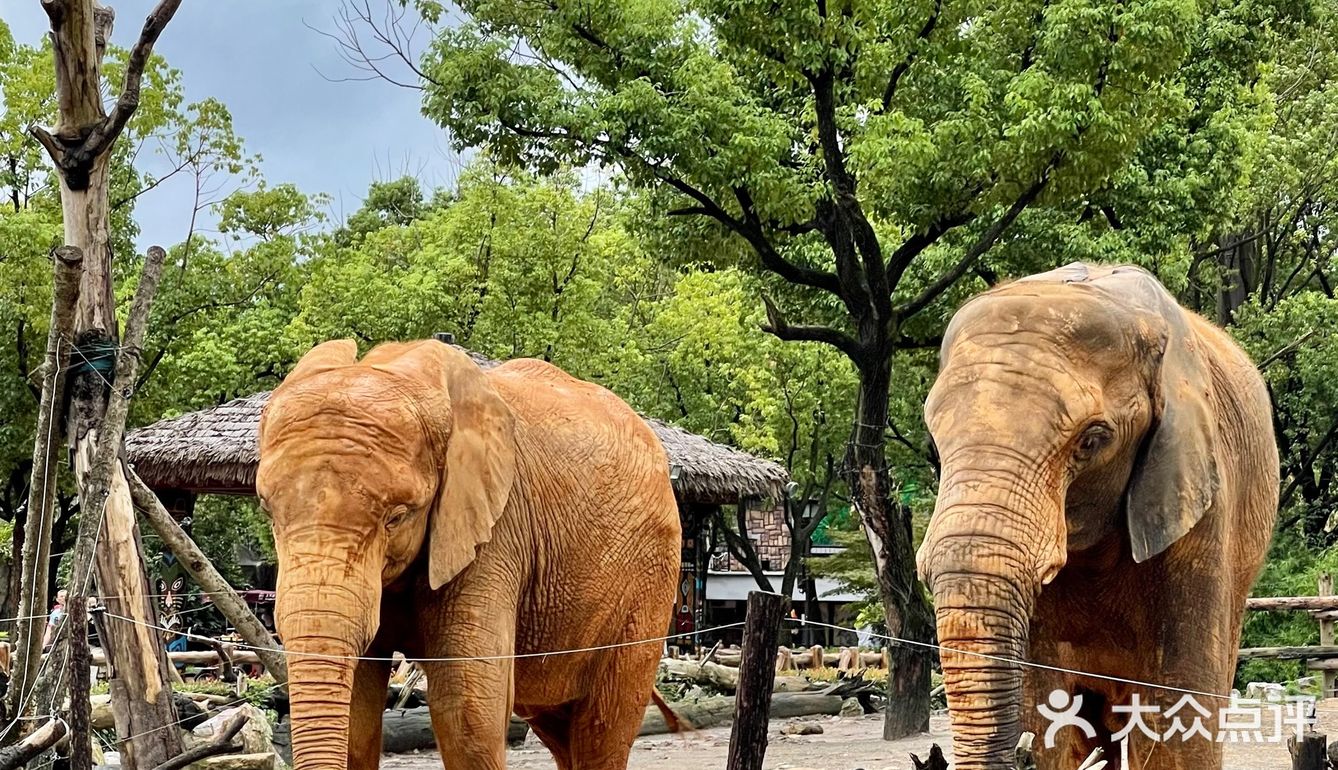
{"points": [[256, 736], [802, 728], [850, 708], [263, 761], [1266, 691]]}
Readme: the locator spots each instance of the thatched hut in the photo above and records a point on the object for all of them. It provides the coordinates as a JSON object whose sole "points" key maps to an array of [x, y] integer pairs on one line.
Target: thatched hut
{"points": [[214, 451]]}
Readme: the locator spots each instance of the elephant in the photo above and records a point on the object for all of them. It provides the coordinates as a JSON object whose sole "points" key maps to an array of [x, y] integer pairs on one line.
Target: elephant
{"points": [[1108, 486], [474, 520]]}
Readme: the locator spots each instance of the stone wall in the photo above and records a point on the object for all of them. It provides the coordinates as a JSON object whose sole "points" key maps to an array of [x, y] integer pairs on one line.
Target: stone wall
{"points": [[770, 538]]}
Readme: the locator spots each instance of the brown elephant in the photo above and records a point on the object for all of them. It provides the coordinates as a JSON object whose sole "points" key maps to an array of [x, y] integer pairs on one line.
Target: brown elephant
{"points": [[471, 518], [1108, 487]]}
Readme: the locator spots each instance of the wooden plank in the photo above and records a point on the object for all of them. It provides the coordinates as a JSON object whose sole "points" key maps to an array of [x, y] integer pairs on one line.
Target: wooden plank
{"points": [[1292, 603]]}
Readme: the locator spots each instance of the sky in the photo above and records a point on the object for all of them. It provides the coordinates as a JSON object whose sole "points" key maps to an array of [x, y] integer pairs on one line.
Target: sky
{"points": [[278, 78]]}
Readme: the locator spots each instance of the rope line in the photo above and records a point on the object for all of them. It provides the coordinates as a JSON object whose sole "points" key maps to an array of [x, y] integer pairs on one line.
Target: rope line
{"points": [[452, 659]]}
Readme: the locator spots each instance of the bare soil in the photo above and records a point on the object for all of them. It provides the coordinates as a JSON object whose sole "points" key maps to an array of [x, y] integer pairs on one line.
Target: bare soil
{"points": [[846, 743]]}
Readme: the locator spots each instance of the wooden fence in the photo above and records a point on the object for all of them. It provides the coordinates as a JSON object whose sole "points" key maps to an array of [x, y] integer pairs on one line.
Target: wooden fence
{"points": [[1321, 658]]}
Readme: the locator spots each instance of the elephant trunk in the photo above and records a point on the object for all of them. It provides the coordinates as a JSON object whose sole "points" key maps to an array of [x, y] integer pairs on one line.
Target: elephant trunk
{"points": [[980, 631], [319, 694], [324, 627], [985, 557]]}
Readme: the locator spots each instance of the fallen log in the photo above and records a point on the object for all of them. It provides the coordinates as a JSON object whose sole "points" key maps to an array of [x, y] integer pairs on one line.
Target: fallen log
{"points": [[710, 712], [188, 711], [263, 761], [196, 657], [401, 732], [714, 674], [221, 745]]}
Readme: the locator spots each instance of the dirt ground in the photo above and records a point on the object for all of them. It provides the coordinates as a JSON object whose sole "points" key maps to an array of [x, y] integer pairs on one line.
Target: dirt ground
{"points": [[847, 743]]}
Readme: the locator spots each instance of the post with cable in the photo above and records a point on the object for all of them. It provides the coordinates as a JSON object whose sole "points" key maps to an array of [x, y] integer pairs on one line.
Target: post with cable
{"points": [[757, 675]]}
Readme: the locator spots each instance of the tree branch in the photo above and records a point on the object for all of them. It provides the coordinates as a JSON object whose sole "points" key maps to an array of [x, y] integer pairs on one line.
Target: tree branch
{"points": [[915, 245], [983, 244], [777, 325], [221, 745], [128, 101], [740, 547], [898, 71]]}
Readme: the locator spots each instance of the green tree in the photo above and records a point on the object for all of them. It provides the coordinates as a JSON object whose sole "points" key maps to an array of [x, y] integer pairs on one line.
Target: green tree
{"points": [[863, 156]]}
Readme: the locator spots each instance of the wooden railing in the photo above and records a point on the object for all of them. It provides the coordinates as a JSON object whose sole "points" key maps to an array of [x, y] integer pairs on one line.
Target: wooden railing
{"points": [[1323, 608]]}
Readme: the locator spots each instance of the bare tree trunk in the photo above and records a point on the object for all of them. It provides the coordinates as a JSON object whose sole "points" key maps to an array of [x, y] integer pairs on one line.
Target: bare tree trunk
{"points": [[199, 568], [887, 525], [80, 147], [42, 485]]}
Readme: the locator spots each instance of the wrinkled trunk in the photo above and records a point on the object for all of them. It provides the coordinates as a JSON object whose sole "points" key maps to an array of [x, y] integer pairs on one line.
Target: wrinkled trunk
{"points": [[987, 553], [319, 693], [324, 626], [980, 630]]}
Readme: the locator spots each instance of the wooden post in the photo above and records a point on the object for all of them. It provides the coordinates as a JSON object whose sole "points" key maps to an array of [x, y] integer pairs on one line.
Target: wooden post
{"points": [[1310, 752], [1326, 635], [81, 147], [757, 675], [42, 486]]}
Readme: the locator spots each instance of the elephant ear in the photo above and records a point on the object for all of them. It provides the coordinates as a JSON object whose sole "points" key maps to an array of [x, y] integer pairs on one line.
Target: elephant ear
{"points": [[476, 429], [1175, 480]]}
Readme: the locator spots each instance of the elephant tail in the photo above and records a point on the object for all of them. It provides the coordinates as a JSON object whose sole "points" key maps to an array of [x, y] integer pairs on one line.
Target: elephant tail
{"points": [[675, 723]]}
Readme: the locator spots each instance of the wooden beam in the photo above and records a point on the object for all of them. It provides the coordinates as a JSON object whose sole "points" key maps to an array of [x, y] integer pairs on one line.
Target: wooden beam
{"points": [[1292, 603], [1288, 653]]}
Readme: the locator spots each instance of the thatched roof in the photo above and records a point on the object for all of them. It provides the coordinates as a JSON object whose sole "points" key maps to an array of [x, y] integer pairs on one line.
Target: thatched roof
{"points": [[215, 450]]}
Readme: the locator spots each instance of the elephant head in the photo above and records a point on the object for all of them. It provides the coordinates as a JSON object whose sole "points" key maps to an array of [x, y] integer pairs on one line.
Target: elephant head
{"points": [[364, 466], [1071, 412]]}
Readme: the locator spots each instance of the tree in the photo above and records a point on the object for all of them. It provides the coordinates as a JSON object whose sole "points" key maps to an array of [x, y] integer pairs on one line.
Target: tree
{"points": [[864, 156], [80, 146]]}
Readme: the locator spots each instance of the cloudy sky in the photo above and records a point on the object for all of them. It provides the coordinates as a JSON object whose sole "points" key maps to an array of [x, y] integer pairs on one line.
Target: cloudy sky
{"points": [[261, 59]]}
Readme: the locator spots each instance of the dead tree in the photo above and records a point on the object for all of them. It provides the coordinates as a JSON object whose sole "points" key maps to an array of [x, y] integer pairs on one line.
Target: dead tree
{"points": [[80, 146]]}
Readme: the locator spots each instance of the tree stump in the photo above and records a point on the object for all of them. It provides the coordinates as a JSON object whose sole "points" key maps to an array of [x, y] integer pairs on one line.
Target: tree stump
{"points": [[935, 761], [1310, 752]]}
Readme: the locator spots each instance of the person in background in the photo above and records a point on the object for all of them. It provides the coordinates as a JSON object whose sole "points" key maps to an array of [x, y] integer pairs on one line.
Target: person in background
{"points": [[53, 620]]}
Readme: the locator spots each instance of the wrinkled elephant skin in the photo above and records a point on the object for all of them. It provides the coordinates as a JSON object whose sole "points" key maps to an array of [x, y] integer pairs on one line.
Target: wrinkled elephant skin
{"points": [[467, 517], [1108, 488]]}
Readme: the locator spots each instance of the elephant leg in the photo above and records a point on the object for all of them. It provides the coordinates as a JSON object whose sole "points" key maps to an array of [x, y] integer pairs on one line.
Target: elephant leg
{"points": [[607, 720], [470, 696], [365, 709], [470, 704]]}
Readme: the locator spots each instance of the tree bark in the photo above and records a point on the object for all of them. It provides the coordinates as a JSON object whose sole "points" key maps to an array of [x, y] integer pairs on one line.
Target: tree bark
{"points": [[202, 571], [887, 525], [42, 486]]}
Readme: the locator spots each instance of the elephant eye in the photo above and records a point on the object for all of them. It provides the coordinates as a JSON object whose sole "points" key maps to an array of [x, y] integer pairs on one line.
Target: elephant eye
{"points": [[1093, 440], [397, 517]]}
